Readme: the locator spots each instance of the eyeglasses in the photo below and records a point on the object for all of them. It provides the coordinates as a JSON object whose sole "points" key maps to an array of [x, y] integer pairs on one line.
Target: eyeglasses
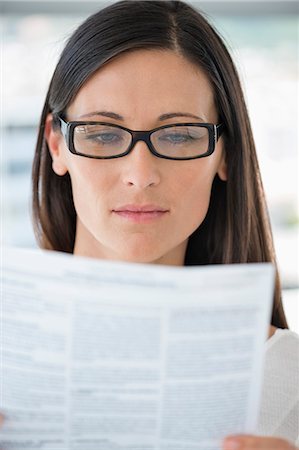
{"points": [[101, 140]]}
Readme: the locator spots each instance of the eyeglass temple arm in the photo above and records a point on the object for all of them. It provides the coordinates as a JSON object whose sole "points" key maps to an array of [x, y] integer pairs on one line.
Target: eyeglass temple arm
{"points": [[218, 131], [63, 126]]}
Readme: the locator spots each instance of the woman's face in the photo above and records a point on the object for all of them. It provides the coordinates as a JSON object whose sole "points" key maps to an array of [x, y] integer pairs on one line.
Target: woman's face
{"points": [[134, 90]]}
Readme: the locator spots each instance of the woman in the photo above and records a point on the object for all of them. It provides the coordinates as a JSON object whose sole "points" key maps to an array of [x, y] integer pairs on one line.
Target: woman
{"points": [[145, 153]]}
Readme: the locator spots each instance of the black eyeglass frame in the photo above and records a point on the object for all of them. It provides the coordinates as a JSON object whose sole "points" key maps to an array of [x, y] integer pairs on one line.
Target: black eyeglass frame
{"points": [[67, 129]]}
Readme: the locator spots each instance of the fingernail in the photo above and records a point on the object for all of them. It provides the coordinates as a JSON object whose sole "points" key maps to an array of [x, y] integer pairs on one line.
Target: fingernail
{"points": [[232, 444]]}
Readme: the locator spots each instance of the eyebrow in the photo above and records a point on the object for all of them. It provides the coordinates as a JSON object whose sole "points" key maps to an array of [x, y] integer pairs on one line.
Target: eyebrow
{"points": [[115, 116]]}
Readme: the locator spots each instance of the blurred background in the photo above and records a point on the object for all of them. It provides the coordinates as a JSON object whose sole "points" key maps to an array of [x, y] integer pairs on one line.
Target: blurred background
{"points": [[263, 39]]}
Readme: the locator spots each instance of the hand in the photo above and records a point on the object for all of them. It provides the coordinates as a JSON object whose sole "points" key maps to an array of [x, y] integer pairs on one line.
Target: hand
{"points": [[1, 422], [249, 442]]}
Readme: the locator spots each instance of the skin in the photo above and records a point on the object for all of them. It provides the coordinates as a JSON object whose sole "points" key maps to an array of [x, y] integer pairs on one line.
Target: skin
{"points": [[131, 86]]}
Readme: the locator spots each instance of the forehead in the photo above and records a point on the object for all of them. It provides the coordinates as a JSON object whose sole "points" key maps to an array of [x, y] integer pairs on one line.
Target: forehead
{"points": [[147, 83]]}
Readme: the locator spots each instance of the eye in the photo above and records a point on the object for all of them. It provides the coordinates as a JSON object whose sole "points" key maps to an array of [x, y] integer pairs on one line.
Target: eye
{"points": [[175, 137], [178, 137], [104, 138]]}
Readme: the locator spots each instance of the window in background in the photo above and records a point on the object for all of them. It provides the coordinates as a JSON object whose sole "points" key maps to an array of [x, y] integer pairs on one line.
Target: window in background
{"points": [[265, 48]]}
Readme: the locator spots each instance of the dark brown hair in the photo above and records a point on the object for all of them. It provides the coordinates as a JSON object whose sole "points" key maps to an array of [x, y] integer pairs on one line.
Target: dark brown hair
{"points": [[236, 228]]}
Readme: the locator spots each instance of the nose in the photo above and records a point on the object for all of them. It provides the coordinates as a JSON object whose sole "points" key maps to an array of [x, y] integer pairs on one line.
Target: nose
{"points": [[142, 167]]}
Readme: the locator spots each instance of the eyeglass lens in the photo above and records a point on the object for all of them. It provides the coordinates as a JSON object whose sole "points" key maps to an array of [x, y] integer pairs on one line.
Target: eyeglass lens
{"points": [[103, 140]]}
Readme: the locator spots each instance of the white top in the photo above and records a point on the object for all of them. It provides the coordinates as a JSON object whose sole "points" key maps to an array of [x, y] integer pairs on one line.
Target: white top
{"points": [[279, 414]]}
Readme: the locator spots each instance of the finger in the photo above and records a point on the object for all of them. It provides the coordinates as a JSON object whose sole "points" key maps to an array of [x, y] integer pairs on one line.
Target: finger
{"points": [[249, 442]]}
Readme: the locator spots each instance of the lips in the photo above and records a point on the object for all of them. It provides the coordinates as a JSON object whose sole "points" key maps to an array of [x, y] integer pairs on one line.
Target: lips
{"points": [[140, 208], [140, 213]]}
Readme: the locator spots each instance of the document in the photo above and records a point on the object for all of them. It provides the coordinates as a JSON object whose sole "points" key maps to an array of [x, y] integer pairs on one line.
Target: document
{"points": [[103, 355]]}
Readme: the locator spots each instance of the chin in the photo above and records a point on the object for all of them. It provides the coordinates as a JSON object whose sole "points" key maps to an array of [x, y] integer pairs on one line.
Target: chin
{"points": [[139, 253], [138, 257]]}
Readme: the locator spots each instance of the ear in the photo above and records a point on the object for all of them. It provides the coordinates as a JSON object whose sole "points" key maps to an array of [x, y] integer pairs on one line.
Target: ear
{"points": [[222, 168], [56, 147]]}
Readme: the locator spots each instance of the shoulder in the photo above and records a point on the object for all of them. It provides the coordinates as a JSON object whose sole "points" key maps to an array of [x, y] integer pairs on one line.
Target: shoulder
{"points": [[281, 358], [284, 336]]}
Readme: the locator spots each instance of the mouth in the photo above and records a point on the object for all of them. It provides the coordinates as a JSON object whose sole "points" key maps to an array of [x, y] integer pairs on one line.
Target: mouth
{"points": [[140, 213]]}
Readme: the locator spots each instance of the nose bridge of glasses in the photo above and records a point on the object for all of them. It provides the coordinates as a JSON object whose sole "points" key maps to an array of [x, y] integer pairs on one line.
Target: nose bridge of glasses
{"points": [[143, 136]]}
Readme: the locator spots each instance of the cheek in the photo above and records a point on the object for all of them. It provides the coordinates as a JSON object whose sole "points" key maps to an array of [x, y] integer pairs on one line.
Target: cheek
{"points": [[194, 193], [88, 185], [198, 205]]}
